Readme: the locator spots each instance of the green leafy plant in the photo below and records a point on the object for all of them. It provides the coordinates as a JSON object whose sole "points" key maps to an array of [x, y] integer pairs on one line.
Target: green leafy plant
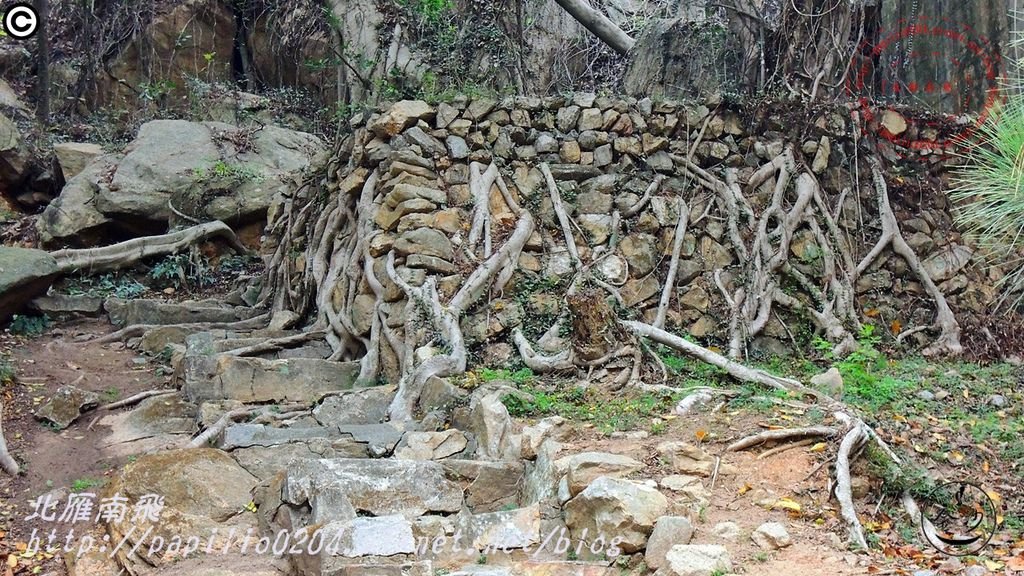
{"points": [[180, 270], [224, 173], [865, 376], [28, 325], [83, 484]]}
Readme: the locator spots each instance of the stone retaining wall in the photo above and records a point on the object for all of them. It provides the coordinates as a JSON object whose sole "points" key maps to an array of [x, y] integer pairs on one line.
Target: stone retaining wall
{"points": [[604, 152]]}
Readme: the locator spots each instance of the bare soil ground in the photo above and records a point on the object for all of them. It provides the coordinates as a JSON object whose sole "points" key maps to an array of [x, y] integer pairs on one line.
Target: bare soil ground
{"points": [[791, 487], [54, 461]]}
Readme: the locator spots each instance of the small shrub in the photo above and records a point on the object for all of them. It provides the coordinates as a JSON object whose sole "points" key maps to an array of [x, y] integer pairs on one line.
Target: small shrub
{"points": [[28, 325]]}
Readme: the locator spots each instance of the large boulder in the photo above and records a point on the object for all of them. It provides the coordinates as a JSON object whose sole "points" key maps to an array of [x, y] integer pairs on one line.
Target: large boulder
{"points": [[205, 170], [15, 158], [24, 274], [73, 157], [618, 508]]}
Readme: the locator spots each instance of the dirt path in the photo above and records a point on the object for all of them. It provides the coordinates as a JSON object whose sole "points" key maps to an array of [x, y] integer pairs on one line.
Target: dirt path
{"points": [[69, 460]]}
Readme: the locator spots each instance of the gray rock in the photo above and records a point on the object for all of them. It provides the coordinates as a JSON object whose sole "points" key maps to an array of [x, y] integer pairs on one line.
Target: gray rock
{"points": [[201, 482], [926, 395], [24, 274], [947, 263], [399, 117], [66, 405], [505, 530], [379, 487], [821, 156], [361, 406], [129, 312], [492, 427], [669, 531], [73, 157], [660, 162], [479, 108], [380, 439], [829, 382], [546, 144], [726, 530], [249, 435], [567, 117], [249, 379], [771, 536], [431, 146], [446, 113], [594, 203], [641, 251], [689, 459], [194, 166], [997, 400], [457, 147], [425, 241], [582, 469], [611, 506], [15, 156], [431, 445], [576, 172], [156, 423], [374, 536], [690, 487], [550, 428], [488, 486], [695, 560]]}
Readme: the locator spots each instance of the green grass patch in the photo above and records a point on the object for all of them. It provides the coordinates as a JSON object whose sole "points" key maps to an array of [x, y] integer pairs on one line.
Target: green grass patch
{"points": [[587, 405]]}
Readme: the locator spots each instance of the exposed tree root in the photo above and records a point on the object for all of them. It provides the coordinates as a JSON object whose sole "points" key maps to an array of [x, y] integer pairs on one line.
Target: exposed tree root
{"points": [[134, 330], [7, 462], [117, 256], [785, 448], [275, 344], [857, 433], [261, 412], [135, 399], [948, 342], [777, 435], [764, 249]]}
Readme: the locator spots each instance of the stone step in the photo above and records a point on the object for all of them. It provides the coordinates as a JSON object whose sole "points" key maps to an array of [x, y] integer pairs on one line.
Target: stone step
{"points": [[206, 375], [373, 486], [142, 311]]}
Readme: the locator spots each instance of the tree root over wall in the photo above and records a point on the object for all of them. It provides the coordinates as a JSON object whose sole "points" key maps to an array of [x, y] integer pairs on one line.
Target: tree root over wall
{"points": [[342, 261]]}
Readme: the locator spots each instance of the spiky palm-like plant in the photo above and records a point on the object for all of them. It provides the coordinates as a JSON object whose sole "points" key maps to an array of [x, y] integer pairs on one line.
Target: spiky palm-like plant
{"points": [[989, 189]]}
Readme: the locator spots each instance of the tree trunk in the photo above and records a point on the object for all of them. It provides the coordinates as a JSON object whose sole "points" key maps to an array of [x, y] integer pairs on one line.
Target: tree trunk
{"points": [[43, 63], [599, 24]]}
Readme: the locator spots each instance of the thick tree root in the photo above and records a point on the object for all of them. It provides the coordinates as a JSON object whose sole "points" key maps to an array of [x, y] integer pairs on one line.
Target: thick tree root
{"points": [[117, 256], [264, 412], [7, 462], [948, 342], [254, 323], [777, 435]]}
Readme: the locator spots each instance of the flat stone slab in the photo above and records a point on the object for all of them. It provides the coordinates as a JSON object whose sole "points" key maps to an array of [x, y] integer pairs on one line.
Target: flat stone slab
{"points": [[248, 435], [379, 487], [258, 380], [380, 439], [141, 311], [160, 422]]}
